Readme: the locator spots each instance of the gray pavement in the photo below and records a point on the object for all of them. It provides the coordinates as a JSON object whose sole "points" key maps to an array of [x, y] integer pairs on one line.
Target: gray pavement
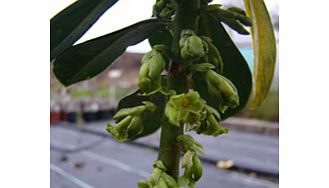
{"points": [[248, 151], [82, 159]]}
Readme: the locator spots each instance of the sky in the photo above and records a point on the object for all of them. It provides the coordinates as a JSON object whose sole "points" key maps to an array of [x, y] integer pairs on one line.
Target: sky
{"points": [[125, 13]]}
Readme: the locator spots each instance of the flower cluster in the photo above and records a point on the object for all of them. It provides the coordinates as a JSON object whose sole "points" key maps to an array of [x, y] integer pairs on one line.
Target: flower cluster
{"points": [[129, 121], [158, 178], [163, 9], [153, 63], [190, 162]]}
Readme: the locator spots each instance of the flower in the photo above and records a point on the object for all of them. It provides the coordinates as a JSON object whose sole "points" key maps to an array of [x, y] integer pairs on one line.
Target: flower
{"points": [[129, 121], [191, 45], [223, 89], [185, 107], [153, 63]]}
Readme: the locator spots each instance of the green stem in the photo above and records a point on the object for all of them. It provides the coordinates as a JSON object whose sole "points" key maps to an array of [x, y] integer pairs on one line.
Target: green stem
{"points": [[185, 18]]}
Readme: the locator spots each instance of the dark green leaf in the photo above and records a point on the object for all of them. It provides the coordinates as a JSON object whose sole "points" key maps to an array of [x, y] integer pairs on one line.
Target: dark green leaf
{"points": [[162, 36], [151, 121], [235, 66], [71, 23], [88, 59], [264, 45]]}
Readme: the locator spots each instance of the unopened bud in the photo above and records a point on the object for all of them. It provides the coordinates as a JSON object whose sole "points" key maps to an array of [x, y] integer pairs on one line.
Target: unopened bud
{"points": [[129, 121], [191, 45], [162, 183], [119, 131], [138, 110], [153, 63], [226, 88], [143, 184], [155, 175], [187, 158], [212, 125], [170, 181], [213, 55], [189, 143], [135, 127], [197, 168]]}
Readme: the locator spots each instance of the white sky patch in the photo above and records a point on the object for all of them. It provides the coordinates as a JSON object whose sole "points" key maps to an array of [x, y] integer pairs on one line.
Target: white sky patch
{"points": [[123, 14]]}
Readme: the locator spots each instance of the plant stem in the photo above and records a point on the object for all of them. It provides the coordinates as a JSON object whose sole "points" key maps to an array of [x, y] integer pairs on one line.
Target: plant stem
{"points": [[185, 18]]}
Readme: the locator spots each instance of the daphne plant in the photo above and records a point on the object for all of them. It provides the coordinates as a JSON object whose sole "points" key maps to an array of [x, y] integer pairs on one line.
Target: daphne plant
{"points": [[193, 78]]}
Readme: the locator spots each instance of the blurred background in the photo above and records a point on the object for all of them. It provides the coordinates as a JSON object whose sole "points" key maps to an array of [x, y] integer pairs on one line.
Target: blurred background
{"points": [[83, 154]]}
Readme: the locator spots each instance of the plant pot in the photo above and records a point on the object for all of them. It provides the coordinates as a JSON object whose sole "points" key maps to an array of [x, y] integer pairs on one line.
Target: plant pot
{"points": [[104, 114], [55, 117], [72, 117], [90, 116], [63, 116]]}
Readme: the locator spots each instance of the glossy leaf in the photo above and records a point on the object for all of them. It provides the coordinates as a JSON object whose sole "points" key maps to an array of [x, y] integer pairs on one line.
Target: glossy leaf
{"points": [[71, 23], [88, 59], [235, 66], [151, 121], [264, 46]]}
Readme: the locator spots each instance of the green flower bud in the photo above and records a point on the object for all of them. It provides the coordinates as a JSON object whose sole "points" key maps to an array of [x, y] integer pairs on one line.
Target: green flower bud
{"points": [[191, 45], [153, 63], [158, 6], [188, 166], [138, 110], [149, 106], [129, 121], [162, 183], [192, 168], [201, 67], [225, 87], [159, 164], [187, 158], [163, 9], [119, 130], [212, 123], [155, 175], [170, 181], [189, 143], [171, 113], [213, 55], [143, 184], [144, 82], [197, 168], [167, 12], [135, 127]]}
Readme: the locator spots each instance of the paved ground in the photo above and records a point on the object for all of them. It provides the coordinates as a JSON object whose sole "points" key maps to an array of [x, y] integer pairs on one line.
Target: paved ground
{"points": [[82, 159]]}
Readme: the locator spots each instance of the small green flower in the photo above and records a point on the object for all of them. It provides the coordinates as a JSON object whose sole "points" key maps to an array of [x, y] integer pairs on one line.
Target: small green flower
{"points": [[212, 125], [223, 89], [191, 45], [213, 56], [188, 143], [158, 178], [163, 9], [153, 63], [129, 121], [185, 107], [192, 169]]}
